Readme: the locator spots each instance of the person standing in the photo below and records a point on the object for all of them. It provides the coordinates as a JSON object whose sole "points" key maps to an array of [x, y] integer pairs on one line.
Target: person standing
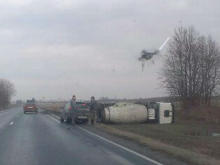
{"points": [[92, 110], [73, 100], [73, 108]]}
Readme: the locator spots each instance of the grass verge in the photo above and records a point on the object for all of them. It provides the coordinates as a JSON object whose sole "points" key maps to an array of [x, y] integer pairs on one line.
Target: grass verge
{"points": [[180, 153]]}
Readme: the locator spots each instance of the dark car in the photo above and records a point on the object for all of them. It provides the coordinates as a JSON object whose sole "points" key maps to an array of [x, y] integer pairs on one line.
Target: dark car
{"points": [[79, 114], [30, 106]]}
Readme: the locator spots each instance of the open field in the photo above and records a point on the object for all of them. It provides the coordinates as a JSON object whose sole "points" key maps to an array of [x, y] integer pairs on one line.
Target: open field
{"points": [[187, 155], [52, 106], [197, 138], [196, 130]]}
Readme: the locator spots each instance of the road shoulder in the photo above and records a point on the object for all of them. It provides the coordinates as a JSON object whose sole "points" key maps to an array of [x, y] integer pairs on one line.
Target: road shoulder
{"points": [[154, 149], [99, 130], [157, 146]]}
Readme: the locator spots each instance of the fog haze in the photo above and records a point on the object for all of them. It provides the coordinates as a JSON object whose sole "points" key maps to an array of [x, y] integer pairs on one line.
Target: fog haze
{"points": [[54, 48]]}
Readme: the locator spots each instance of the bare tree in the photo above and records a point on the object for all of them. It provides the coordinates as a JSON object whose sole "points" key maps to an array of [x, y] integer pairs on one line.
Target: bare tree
{"points": [[6, 92], [210, 68], [192, 66]]}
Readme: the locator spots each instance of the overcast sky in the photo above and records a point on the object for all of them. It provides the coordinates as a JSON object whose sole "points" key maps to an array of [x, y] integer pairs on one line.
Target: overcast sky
{"points": [[54, 48]]}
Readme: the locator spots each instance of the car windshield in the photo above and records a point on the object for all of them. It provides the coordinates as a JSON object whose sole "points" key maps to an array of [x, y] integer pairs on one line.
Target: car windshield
{"points": [[30, 102], [82, 105]]}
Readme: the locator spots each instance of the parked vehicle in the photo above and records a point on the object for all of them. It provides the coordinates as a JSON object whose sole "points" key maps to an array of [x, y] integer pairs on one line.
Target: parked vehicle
{"points": [[79, 114], [30, 106]]}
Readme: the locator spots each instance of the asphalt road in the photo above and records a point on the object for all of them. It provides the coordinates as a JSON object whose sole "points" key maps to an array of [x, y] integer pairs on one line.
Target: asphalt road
{"points": [[39, 139]]}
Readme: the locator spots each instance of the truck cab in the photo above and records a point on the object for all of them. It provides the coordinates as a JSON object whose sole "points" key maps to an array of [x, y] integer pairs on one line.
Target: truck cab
{"points": [[162, 113]]}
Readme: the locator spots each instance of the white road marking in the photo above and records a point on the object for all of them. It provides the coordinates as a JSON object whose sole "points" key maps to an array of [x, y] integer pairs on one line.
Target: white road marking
{"points": [[115, 144], [55, 116], [122, 147], [56, 120], [11, 123]]}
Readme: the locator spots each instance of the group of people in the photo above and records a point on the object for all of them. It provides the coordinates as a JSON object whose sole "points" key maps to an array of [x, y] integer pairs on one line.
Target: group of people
{"points": [[92, 109]]}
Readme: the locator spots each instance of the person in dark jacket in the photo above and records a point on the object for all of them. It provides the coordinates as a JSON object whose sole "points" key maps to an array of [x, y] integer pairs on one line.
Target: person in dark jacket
{"points": [[73, 101], [93, 109], [73, 106]]}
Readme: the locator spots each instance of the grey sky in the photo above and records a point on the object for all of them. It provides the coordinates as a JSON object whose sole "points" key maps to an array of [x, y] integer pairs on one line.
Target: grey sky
{"points": [[53, 48]]}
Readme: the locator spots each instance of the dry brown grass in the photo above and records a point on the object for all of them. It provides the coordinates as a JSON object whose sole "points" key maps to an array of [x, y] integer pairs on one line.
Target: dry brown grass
{"points": [[57, 106], [181, 153], [190, 137], [192, 131], [202, 114]]}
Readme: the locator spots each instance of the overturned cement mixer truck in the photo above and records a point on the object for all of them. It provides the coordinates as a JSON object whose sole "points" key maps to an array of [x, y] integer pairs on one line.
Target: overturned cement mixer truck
{"points": [[123, 112]]}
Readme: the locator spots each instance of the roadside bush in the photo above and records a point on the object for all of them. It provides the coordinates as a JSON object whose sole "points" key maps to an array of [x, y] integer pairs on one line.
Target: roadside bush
{"points": [[7, 90]]}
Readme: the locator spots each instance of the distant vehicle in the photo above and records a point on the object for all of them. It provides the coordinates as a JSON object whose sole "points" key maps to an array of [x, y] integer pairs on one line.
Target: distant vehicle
{"points": [[30, 106], [78, 115]]}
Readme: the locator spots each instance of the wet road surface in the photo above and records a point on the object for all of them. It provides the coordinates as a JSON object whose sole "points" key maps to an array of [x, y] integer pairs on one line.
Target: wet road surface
{"points": [[38, 139]]}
